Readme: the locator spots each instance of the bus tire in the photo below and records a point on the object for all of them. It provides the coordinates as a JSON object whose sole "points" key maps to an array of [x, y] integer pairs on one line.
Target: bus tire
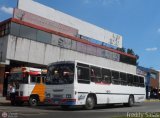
{"points": [[33, 101], [90, 102], [130, 101]]}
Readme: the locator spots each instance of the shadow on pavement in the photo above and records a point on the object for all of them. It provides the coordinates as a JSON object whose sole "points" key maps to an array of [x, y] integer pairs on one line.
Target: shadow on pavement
{"points": [[80, 108], [72, 108]]}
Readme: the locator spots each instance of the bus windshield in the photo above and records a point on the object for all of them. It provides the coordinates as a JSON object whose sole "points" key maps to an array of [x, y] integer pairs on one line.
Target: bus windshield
{"points": [[60, 74], [19, 77]]}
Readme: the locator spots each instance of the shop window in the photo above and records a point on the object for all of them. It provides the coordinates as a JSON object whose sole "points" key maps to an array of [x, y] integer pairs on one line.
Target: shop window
{"points": [[44, 36], [15, 28], [91, 50], [99, 52], [81, 47], [73, 45], [28, 32]]}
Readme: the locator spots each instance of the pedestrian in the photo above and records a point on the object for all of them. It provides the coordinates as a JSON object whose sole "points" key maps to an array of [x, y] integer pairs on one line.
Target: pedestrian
{"points": [[12, 93]]}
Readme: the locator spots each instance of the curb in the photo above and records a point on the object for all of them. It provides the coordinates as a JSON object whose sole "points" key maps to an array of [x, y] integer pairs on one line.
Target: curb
{"points": [[5, 103], [152, 100]]}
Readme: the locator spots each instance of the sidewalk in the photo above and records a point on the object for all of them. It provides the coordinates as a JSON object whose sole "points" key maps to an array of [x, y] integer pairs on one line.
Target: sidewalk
{"points": [[3, 101]]}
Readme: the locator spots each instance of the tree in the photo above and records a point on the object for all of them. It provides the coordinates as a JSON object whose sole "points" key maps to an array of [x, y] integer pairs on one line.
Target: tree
{"points": [[137, 56], [130, 51], [121, 49]]}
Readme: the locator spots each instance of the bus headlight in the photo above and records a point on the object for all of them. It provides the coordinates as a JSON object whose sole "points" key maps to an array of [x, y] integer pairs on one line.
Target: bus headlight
{"points": [[68, 96]]}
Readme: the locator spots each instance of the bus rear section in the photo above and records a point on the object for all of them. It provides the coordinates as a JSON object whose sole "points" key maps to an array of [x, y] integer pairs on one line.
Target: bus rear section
{"points": [[26, 84], [89, 85]]}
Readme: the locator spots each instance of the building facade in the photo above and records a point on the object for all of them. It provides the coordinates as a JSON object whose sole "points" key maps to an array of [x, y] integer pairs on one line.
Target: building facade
{"points": [[151, 81], [28, 39]]}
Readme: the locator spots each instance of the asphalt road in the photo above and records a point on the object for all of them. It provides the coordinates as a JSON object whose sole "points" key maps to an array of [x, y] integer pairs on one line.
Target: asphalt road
{"points": [[99, 112]]}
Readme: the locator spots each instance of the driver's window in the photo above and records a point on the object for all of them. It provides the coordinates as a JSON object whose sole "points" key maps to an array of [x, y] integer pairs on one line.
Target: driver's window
{"points": [[38, 80], [33, 79]]}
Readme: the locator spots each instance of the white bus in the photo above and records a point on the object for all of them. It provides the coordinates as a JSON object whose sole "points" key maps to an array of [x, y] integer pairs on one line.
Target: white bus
{"points": [[76, 83]]}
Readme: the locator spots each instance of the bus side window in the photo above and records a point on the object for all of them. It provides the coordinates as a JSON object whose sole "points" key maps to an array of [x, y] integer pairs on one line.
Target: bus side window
{"points": [[115, 77], [130, 79], [135, 82], [106, 76], [141, 81], [96, 74], [123, 77], [83, 74]]}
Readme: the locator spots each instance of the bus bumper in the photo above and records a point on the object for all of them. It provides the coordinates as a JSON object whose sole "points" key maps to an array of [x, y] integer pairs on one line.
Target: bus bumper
{"points": [[56, 101], [22, 98]]}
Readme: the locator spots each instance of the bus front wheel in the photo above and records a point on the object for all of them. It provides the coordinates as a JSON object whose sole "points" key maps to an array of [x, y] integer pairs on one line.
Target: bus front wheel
{"points": [[33, 101], [90, 103]]}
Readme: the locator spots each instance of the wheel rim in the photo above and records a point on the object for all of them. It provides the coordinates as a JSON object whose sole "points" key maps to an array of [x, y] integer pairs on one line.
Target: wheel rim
{"points": [[131, 101], [34, 102], [90, 102]]}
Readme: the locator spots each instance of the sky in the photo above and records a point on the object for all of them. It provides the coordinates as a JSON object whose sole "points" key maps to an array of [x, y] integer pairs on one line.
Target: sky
{"points": [[138, 21]]}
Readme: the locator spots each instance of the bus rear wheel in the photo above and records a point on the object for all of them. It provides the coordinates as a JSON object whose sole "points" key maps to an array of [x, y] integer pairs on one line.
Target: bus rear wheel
{"points": [[33, 101], [90, 103], [130, 101]]}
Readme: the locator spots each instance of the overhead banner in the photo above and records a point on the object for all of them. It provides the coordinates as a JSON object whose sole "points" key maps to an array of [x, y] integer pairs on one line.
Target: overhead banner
{"points": [[43, 22]]}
